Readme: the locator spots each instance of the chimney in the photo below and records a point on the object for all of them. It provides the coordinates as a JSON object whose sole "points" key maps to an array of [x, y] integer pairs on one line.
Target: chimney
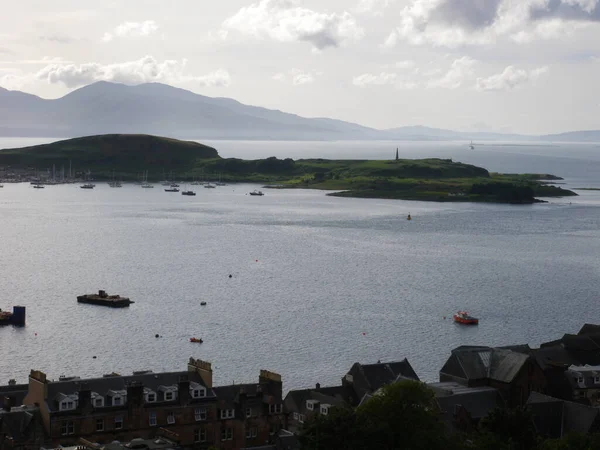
{"points": [[12, 382], [85, 397], [183, 389], [37, 391], [273, 383], [202, 368], [8, 403], [135, 393], [318, 386]]}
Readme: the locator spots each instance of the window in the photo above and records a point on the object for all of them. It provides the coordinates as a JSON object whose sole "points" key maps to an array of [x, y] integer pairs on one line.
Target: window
{"points": [[275, 409], [248, 412], [69, 405], [171, 418], [98, 402], [199, 393], [151, 398], [100, 425], [324, 410], [200, 435], [310, 405], [227, 414], [227, 434], [580, 380], [117, 401], [119, 423], [168, 396], [596, 379], [251, 432], [67, 427], [200, 414], [152, 419], [295, 416], [301, 418]]}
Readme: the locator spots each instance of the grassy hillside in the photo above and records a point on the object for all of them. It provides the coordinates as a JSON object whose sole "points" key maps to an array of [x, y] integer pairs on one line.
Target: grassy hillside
{"points": [[126, 154], [423, 179]]}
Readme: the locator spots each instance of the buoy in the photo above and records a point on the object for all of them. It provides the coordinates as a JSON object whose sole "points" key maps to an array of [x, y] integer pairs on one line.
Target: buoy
{"points": [[444, 317], [36, 334], [230, 275], [257, 260], [94, 357], [364, 334], [156, 336]]}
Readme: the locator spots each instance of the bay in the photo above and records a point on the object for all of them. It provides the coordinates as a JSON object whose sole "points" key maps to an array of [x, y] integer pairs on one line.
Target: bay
{"points": [[317, 282]]}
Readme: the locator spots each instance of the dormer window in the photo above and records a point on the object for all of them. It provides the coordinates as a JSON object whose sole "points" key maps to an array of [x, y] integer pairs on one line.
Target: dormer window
{"points": [[227, 413], [67, 404], [169, 396], [199, 393], [324, 410], [597, 379], [310, 405], [98, 402], [151, 398], [117, 401]]}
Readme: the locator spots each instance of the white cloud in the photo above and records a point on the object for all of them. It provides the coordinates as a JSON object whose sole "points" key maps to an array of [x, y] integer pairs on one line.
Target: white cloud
{"points": [[379, 79], [460, 70], [509, 79], [288, 21], [372, 7], [144, 70], [453, 23], [44, 60], [132, 29], [296, 76]]}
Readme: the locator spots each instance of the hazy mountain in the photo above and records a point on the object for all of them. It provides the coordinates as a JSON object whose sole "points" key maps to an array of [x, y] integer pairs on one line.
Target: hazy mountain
{"points": [[103, 108]]}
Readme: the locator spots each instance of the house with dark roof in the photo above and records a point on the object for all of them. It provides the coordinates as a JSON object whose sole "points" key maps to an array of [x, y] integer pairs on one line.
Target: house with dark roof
{"points": [[462, 407], [183, 406], [21, 428], [555, 418], [515, 375], [359, 382]]}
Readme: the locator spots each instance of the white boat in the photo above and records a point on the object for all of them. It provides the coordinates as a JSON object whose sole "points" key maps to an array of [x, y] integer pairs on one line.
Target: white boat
{"points": [[255, 192], [87, 186], [145, 183], [209, 186]]}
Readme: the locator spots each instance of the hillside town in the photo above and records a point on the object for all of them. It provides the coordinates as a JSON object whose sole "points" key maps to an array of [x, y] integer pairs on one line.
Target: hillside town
{"points": [[558, 383]]}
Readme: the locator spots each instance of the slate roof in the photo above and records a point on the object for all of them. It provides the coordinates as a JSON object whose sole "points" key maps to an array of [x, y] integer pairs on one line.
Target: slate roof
{"points": [[295, 401], [119, 383], [230, 395], [582, 348], [479, 363], [589, 328], [478, 401], [554, 417], [15, 423], [16, 391], [368, 378]]}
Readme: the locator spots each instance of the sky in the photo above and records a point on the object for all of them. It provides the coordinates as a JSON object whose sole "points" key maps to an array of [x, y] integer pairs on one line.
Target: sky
{"points": [[523, 66]]}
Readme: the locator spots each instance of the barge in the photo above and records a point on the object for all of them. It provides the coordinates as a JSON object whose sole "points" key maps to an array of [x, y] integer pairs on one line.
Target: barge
{"points": [[103, 299], [17, 317]]}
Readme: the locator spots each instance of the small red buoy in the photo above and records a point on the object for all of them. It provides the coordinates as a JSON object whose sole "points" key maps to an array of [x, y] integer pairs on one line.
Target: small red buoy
{"points": [[364, 334], [444, 317], [257, 260], [36, 334]]}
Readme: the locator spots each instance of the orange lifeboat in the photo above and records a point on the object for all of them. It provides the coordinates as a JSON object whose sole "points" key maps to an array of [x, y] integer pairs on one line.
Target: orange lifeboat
{"points": [[199, 341], [464, 318]]}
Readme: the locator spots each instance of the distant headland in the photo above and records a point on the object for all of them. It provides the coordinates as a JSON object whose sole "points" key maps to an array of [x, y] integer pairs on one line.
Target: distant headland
{"points": [[125, 156]]}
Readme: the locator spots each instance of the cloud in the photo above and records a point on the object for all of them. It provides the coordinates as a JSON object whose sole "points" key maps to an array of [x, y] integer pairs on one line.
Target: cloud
{"points": [[296, 76], [453, 23], [44, 60], [144, 70], [132, 29], [460, 70], [380, 79], [287, 21], [372, 7], [58, 39], [509, 79]]}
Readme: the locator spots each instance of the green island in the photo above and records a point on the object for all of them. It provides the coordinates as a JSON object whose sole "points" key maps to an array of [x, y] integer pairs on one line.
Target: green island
{"points": [[125, 157]]}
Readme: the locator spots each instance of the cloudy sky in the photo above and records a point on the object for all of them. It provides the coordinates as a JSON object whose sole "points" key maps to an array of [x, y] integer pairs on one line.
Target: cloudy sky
{"points": [[528, 66]]}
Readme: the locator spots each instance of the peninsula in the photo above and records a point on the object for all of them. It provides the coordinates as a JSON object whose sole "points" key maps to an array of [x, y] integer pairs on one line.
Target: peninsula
{"points": [[125, 156]]}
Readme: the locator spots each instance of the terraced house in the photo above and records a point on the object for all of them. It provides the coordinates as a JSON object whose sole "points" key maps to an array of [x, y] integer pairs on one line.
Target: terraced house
{"points": [[184, 406]]}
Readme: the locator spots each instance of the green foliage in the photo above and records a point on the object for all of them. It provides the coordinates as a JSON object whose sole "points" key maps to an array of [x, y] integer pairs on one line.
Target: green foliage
{"points": [[511, 426], [402, 415], [504, 192]]}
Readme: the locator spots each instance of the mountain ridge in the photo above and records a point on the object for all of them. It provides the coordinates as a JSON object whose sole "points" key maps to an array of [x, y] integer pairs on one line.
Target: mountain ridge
{"points": [[155, 108]]}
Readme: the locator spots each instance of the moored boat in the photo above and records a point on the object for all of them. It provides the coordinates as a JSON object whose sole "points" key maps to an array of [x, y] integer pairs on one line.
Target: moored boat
{"points": [[103, 299], [464, 318], [172, 189], [193, 339], [255, 192], [188, 193]]}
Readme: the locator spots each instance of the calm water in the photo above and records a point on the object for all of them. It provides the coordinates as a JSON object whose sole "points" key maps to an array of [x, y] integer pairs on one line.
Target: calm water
{"points": [[318, 282]]}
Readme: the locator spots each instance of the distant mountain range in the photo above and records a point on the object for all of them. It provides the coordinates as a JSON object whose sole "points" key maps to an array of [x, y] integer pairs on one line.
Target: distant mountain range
{"points": [[154, 108]]}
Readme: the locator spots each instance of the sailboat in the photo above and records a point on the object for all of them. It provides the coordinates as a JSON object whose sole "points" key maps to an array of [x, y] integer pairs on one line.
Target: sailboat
{"points": [[113, 183], [188, 192], [220, 183], [145, 183], [471, 146], [87, 184]]}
